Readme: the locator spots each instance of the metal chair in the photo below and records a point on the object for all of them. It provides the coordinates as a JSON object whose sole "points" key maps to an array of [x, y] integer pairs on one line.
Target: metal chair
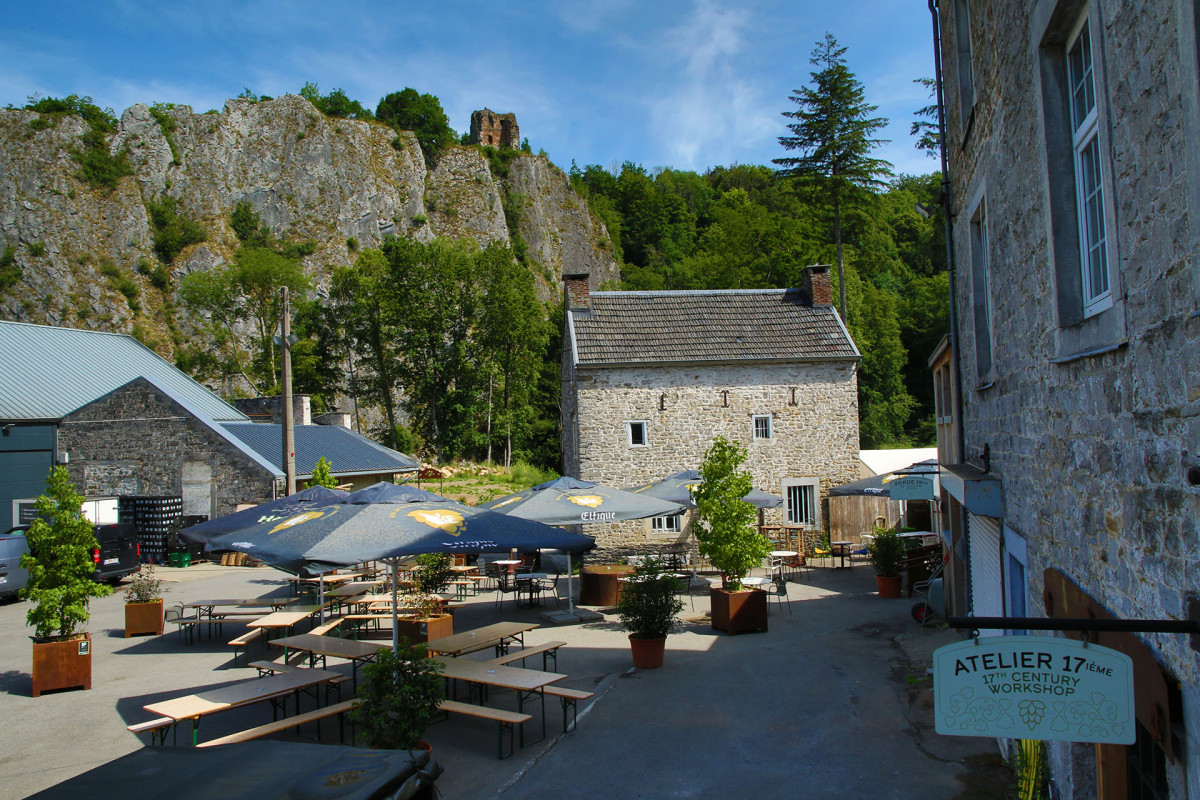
{"points": [[778, 590], [505, 584]]}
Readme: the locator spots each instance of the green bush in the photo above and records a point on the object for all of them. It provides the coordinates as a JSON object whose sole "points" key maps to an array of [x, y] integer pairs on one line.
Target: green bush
{"points": [[647, 605], [886, 552], [352, 244], [37, 249], [423, 115], [322, 475], [433, 573], [172, 232], [160, 112], [10, 270], [60, 561], [400, 693], [97, 166]]}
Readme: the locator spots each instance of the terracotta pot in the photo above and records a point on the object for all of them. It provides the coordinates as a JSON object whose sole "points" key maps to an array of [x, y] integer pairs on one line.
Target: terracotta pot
{"points": [[141, 618], [65, 664], [647, 653], [425, 630], [889, 586], [735, 612]]}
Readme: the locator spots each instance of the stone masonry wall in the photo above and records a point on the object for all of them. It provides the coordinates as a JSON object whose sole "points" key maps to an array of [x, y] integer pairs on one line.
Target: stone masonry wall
{"points": [[816, 437], [1093, 450], [136, 440]]}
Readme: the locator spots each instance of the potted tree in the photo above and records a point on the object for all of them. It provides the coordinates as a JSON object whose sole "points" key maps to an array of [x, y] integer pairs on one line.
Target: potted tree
{"points": [[727, 537], [60, 586], [399, 694], [144, 603], [423, 617], [886, 553], [649, 610]]}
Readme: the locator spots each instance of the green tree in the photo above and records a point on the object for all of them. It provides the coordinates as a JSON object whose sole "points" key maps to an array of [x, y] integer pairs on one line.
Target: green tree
{"points": [[59, 561], [423, 115], [925, 126], [725, 527], [335, 104], [322, 475], [833, 131]]}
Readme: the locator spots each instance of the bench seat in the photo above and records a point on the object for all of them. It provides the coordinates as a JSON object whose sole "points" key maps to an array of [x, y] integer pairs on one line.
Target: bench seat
{"points": [[337, 709], [548, 651], [158, 728], [570, 703], [244, 641], [505, 720]]}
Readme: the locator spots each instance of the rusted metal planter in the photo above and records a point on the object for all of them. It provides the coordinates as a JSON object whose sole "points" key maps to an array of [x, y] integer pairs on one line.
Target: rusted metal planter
{"points": [[737, 612], [144, 618], [65, 664]]}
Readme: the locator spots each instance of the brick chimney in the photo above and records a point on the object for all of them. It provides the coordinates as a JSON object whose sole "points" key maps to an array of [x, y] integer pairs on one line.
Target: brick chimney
{"points": [[576, 292], [816, 284]]}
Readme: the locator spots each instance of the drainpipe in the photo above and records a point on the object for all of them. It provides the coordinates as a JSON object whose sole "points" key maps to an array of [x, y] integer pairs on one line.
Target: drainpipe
{"points": [[950, 262]]}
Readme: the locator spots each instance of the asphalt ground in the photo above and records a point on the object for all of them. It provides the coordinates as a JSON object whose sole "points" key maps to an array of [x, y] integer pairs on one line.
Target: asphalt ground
{"points": [[832, 702]]}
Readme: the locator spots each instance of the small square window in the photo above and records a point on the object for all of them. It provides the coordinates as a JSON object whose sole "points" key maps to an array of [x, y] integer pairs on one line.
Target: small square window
{"points": [[637, 434], [669, 524], [762, 426]]}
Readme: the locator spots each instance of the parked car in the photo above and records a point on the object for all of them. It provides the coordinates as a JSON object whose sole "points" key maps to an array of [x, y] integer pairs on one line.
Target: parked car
{"points": [[12, 547], [118, 555]]}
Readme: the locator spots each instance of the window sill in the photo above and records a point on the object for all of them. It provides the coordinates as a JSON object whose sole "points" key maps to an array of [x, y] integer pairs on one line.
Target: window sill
{"points": [[985, 386], [1067, 358]]}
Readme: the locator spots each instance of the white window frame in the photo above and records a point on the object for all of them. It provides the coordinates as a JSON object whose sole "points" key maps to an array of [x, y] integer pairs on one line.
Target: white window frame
{"points": [[981, 293], [629, 425], [754, 420], [813, 485], [669, 524], [1090, 188]]}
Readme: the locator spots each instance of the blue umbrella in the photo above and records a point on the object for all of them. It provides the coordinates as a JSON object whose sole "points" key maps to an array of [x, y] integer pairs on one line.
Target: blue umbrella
{"points": [[279, 508], [678, 486], [398, 523]]}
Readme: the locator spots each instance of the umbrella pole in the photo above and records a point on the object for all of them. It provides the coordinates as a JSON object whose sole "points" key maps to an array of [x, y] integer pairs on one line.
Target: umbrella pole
{"points": [[395, 618], [321, 595], [570, 586]]}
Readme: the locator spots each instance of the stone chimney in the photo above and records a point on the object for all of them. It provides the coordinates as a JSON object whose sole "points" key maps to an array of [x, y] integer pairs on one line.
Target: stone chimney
{"points": [[576, 293], [270, 409], [817, 286]]}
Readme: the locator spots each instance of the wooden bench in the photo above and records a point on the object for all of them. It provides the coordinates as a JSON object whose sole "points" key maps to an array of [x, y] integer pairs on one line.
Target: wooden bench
{"points": [[272, 667], [505, 720], [337, 709], [158, 729], [244, 641], [570, 699], [187, 627], [326, 627], [549, 652]]}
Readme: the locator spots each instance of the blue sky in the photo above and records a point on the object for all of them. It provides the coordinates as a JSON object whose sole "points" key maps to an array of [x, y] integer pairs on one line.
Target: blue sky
{"points": [[688, 84]]}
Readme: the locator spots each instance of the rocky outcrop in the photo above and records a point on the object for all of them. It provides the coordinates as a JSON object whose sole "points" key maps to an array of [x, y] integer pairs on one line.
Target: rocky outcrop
{"points": [[307, 176]]}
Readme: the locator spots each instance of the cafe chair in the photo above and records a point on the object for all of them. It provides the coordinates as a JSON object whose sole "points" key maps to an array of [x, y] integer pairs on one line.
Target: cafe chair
{"points": [[505, 584], [778, 590]]}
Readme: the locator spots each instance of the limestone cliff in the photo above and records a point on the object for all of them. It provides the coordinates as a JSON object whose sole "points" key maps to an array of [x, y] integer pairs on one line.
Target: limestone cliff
{"points": [[84, 254]]}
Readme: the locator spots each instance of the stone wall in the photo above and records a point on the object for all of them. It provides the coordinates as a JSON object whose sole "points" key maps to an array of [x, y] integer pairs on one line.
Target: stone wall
{"points": [[137, 441], [496, 130], [1093, 448], [685, 408]]}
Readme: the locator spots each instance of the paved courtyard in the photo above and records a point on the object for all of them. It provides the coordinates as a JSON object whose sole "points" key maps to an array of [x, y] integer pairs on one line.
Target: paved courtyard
{"points": [[831, 702]]}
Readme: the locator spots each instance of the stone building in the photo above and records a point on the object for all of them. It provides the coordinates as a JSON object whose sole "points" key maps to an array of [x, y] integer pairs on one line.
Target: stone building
{"points": [[651, 378], [497, 130], [125, 422], [1072, 444]]}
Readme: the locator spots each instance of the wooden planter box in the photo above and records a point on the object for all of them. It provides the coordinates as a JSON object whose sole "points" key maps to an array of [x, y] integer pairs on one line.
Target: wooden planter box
{"points": [[425, 630], [736, 612], [143, 618], [63, 664]]}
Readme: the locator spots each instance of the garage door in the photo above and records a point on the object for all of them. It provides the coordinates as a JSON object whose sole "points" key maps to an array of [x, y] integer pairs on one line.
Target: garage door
{"points": [[22, 472], [987, 579]]}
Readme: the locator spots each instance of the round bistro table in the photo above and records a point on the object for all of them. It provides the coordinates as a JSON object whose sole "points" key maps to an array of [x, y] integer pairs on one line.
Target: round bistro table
{"points": [[599, 584]]}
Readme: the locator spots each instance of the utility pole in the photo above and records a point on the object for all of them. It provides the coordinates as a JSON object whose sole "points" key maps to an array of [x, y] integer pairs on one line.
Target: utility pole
{"points": [[289, 435]]}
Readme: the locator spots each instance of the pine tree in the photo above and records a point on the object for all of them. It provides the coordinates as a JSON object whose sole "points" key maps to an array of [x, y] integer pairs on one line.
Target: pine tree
{"points": [[833, 131]]}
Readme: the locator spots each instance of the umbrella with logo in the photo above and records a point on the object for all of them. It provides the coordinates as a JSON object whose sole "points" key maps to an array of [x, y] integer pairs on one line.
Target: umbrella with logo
{"points": [[279, 508], [570, 501], [877, 485], [678, 487], [385, 523]]}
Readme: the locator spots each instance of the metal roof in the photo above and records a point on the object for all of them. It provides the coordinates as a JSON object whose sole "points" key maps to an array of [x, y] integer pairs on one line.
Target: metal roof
{"points": [[347, 452], [46, 373], [716, 326]]}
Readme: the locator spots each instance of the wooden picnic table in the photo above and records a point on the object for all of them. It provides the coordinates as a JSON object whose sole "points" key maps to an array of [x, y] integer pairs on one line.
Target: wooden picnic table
{"points": [[524, 682], [214, 612], [316, 646], [275, 688], [497, 635], [284, 619]]}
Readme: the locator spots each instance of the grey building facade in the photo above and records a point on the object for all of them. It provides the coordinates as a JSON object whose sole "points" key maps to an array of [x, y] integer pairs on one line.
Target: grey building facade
{"points": [[1071, 454]]}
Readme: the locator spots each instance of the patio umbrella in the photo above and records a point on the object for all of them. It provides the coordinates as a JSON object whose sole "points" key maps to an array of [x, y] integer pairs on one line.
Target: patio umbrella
{"points": [[278, 508], [877, 485], [570, 501], [678, 487], [385, 524]]}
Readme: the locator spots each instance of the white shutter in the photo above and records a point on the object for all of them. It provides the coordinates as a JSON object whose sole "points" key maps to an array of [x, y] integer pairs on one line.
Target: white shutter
{"points": [[987, 580]]}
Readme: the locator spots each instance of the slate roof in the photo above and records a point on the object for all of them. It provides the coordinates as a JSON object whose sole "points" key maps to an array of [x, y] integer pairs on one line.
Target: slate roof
{"points": [[349, 453], [46, 373], [717, 326]]}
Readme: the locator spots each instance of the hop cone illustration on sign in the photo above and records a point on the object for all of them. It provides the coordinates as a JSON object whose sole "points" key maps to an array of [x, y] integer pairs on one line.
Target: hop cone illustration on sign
{"points": [[1032, 712]]}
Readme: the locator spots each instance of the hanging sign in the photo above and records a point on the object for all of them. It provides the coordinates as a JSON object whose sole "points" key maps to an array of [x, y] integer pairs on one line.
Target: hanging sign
{"points": [[910, 487], [1034, 687]]}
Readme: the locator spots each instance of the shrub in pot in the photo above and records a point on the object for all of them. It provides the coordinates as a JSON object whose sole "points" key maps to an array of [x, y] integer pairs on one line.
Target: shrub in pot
{"points": [[728, 537], [887, 554], [423, 617], [433, 573], [143, 603], [649, 610], [399, 694], [60, 586]]}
